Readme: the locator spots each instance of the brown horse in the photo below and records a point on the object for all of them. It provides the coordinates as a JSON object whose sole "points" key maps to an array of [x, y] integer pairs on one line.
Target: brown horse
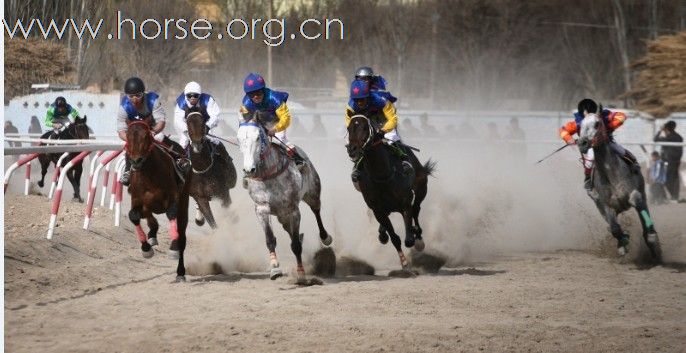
{"points": [[155, 189], [385, 188], [213, 169], [75, 131]]}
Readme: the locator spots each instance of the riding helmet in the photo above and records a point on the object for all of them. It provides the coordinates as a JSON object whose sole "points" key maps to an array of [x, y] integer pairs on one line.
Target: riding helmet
{"points": [[359, 89], [588, 105], [134, 85], [253, 82], [364, 71]]}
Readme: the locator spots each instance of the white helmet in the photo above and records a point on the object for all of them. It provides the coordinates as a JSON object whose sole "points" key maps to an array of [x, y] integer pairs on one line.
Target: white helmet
{"points": [[192, 87]]}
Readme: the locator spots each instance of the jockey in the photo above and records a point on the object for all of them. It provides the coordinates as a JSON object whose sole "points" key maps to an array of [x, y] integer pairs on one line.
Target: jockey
{"points": [[381, 112], [57, 117], [260, 98], [137, 104], [376, 83], [193, 98], [612, 121]]}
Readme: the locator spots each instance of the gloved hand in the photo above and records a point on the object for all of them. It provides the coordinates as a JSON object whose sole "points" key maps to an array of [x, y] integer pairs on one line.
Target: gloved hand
{"points": [[571, 141], [57, 126], [271, 132], [159, 137]]}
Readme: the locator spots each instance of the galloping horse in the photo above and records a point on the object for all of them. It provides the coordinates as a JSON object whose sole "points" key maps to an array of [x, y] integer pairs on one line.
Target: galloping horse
{"points": [[155, 188], [213, 176], [78, 130], [385, 188], [277, 186], [617, 184]]}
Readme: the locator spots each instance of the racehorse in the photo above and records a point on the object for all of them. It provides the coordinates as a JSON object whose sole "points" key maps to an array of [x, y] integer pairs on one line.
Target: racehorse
{"points": [[156, 188], [213, 174], [384, 186], [619, 186], [277, 186], [78, 130]]}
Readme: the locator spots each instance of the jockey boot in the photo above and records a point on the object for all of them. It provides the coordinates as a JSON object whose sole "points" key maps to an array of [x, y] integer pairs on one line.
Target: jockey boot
{"points": [[125, 178], [631, 161], [588, 183], [404, 157], [293, 154]]}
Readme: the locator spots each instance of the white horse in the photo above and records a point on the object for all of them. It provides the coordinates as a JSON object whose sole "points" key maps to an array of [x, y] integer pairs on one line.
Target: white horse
{"points": [[277, 186]]}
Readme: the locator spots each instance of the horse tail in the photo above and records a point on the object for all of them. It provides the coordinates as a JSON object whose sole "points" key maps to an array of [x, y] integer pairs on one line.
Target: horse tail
{"points": [[429, 167]]}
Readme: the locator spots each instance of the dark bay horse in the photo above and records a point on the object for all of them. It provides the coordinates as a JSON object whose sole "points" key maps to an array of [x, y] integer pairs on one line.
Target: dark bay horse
{"points": [[277, 186], [155, 188], [385, 188], [78, 130], [617, 184], [214, 171]]}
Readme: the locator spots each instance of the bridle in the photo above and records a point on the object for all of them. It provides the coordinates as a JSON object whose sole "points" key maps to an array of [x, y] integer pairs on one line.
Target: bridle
{"points": [[264, 149]]}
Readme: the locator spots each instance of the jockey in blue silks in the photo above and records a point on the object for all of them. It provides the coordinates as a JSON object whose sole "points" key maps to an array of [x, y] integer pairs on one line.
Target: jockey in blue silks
{"points": [[273, 106]]}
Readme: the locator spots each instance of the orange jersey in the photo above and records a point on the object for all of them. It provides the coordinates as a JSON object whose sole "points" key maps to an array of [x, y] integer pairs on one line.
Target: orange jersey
{"points": [[612, 120]]}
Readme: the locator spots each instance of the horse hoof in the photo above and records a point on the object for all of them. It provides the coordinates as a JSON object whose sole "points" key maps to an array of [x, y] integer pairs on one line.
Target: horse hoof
{"points": [[40, 184], [199, 222], [419, 245], [383, 238], [180, 279], [651, 238], [152, 241], [327, 241], [275, 273], [148, 254], [174, 254], [409, 243], [77, 199]]}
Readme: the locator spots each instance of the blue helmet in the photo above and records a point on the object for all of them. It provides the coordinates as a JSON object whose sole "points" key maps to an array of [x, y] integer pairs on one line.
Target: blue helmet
{"points": [[359, 89], [253, 82]]}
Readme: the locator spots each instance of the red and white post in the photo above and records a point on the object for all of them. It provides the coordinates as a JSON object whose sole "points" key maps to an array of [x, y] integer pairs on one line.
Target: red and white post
{"points": [[93, 187], [17, 164], [56, 174], [58, 191]]}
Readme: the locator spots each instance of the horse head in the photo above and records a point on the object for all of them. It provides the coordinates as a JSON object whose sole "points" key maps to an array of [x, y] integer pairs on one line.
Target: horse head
{"points": [[196, 130], [139, 142], [361, 132], [253, 142], [78, 130], [593, 132]]}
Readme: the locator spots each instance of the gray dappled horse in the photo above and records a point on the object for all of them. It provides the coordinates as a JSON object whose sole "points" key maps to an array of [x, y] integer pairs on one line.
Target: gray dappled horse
{"points": [[277, 186], [214, 173], [618, 185]]}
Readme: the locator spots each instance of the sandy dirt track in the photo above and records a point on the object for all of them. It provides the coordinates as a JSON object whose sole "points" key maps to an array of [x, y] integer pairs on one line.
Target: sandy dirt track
{"points": [[92, 291]]}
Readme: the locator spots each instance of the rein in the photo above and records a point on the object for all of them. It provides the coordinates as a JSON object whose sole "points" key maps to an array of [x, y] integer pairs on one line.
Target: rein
{"points": [[265, 148], [205, 141]]}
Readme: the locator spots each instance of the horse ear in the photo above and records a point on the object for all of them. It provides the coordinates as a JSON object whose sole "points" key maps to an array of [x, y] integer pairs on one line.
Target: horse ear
{"points": [[600, 109], [85, 117]]}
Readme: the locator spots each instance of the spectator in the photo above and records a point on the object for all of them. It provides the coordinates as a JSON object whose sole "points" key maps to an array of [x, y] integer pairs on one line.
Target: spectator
{"points": [[657, 176], [671, 155], [517, 136], [318, 128], [35, 128], [408, 129], [11, 129], [428, 129]]}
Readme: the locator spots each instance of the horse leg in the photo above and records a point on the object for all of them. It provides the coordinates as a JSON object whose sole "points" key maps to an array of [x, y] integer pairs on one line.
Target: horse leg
{"points": [[175, 247], [385, 222], [262, 212], [638, 201], [204, 208], [44, 164], [74, 176], [154, 227], [199, 218], [291, 223], [315, 205], [409, 235], [420, 194], [135, 217], [182, 223], [617, 232], [383, 235]]}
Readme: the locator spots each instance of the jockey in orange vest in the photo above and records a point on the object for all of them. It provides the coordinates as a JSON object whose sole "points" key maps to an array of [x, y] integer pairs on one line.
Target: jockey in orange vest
{"points": [[612, 121]]}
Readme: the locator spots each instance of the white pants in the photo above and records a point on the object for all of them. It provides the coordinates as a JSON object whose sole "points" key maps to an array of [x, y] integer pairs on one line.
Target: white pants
{"points": [[184, 140], [392, 136], [589, 157], [284, 139]]}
